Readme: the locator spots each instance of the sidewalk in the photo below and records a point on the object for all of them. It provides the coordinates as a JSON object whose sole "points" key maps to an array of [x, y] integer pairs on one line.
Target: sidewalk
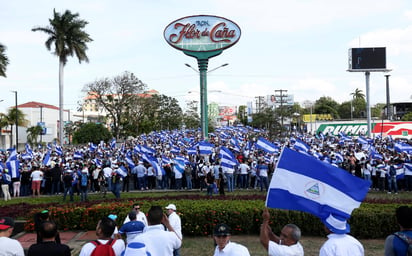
{"points": [[75, 240]]}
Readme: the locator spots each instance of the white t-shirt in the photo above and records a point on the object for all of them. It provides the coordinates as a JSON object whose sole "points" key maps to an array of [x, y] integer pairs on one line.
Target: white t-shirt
{"points": [[232, 249], [342, 245], [88, 248], [176, 223], [10, 246], [275, 249], [36, 175], [140, 217]]}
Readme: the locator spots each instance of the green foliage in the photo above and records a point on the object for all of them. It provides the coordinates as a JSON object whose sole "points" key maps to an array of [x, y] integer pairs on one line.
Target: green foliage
{"points": [[91, 132], [407, 117], [4, 60]]}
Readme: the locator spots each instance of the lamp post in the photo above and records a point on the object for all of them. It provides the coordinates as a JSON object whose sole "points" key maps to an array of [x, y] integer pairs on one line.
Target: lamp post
{"points": [[41, 122], [16, 121], [204, 122]]}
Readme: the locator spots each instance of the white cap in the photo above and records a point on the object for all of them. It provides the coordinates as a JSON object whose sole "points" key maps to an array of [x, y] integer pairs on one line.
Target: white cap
{"points": [[171, 207], [136, 248]]}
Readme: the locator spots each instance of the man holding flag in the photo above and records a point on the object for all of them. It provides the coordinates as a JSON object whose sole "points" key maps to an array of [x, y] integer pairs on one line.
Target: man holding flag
{"points": [[301, 182]]}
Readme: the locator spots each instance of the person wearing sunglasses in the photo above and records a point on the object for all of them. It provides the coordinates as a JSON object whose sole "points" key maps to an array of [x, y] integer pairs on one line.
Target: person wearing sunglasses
{"points": [[140, 216]]}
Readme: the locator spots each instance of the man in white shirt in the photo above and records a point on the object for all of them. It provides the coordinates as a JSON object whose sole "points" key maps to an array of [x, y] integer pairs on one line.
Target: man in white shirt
{"points": [[140, 216], [158, 242], [176, 223], [104, 231], [36, 178], [9, 246], [339, 242], [287, 244], [244, 171], [224, 246]]}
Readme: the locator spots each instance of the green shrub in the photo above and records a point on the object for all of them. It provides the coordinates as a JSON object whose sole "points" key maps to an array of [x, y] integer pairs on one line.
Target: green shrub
{"points": [[244, 217]]}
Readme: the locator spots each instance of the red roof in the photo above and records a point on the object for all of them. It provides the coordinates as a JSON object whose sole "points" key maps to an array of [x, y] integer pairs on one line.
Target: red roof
{"points": [[35, 104]]}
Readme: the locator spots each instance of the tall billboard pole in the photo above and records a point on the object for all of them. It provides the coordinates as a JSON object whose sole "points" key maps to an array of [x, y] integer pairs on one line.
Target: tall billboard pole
{"points": [[202, 37], [367, 60]]}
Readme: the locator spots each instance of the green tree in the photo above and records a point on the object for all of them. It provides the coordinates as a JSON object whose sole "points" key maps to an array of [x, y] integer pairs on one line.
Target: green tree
{"points": [[91, 132], [191, 117], [326, 105], [12, 116], [33, 133], [119, 97], [242, 114], [357, 94], [269, 120], [66, 33], [4, 61], [407, 117]]}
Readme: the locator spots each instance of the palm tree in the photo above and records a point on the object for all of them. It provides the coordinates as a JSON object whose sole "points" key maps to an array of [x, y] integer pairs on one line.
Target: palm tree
{"points": [[358, 94], [68, 37], [10, 119], [33, 133], [4, 61]]}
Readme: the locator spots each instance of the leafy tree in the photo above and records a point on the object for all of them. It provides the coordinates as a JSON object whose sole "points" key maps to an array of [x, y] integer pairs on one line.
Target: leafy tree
{"points": [[267, 119], [169, 114], [4, 61], [120, 98], [242, 114], [326, 105], [10, 119], [358, 94], [407, 117], [91, 132], [377, 110], [191, 117], [66, 33], [33, 133]]}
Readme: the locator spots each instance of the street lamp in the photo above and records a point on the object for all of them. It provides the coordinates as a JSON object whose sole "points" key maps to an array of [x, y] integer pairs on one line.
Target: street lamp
{"points": [[17, 121], [203, 63]]}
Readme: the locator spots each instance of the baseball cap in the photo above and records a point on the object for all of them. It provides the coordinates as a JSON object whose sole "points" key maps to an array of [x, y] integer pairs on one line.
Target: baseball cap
{"points": [[112, 216], [336, 224], [6, 223], [171, 207], [222, 230]]}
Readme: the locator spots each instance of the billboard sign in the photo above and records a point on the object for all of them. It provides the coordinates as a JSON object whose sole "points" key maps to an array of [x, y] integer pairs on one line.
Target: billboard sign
{"points": [[275, 100], [202, 33], [367, 59], [398, 129]]}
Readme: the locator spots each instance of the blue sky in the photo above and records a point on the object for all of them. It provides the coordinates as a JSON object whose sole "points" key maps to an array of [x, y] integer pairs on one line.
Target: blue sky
{"points": [[299, 45]]}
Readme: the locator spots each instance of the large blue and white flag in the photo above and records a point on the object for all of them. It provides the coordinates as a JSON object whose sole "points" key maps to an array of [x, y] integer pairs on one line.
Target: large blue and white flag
{"points": [[191, 151], [302, 183], [92, 147], [77, 155], [12, 164], [403, 147], [59, 150], [362, 140], [130, 162], [266, 145], [227, 158], [26, 156], [205, 148], [235, 144], [179, 165]]}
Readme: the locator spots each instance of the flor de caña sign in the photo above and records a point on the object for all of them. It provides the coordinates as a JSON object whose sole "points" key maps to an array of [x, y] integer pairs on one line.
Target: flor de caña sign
{"points": [[202, 33]]}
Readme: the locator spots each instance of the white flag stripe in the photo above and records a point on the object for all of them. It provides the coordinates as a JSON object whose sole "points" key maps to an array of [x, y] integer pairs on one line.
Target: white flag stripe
{"points": [[297, 184]]}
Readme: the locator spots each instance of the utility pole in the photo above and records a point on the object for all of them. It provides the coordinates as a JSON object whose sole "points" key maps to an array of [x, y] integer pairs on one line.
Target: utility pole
{"points": [[281, 97], [259, 103], [388, 99]]}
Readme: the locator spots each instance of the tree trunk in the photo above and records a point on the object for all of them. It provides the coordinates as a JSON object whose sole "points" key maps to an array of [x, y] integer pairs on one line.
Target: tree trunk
{"points": [[61, 120]]}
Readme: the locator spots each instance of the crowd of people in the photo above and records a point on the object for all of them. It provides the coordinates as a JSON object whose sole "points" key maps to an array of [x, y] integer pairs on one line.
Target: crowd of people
{"points": [[231, 159]]}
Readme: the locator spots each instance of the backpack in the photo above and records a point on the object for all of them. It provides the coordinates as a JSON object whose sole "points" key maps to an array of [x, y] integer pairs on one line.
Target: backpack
{"points": [[84, 180], [103, 249], [407, 240]]}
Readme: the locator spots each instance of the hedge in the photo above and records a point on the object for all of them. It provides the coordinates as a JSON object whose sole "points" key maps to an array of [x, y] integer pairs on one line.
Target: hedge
{"points": [[244, 217]]}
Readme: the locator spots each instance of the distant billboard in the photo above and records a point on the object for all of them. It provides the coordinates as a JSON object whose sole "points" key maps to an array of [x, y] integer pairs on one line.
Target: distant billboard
{"points": [[367, 59], [275, 100]]}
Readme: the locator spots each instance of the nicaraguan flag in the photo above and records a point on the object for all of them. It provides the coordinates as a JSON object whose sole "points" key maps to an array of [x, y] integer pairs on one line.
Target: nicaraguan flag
{"points": [[46, 159], [362, 140], [403, 147], [13, 164], [130, 162], [113, 143], [77, 155], [266, 145], [28, 149], [92, 147], [339, 157], [227, 158], [191, 151], [179, 165], [147, 150], [166, 160], [59, 150], [98, 162], [205, 148], [301, 146], [26, 156], [122, 171], [175, 150], [303, 183], [235, 144]]}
